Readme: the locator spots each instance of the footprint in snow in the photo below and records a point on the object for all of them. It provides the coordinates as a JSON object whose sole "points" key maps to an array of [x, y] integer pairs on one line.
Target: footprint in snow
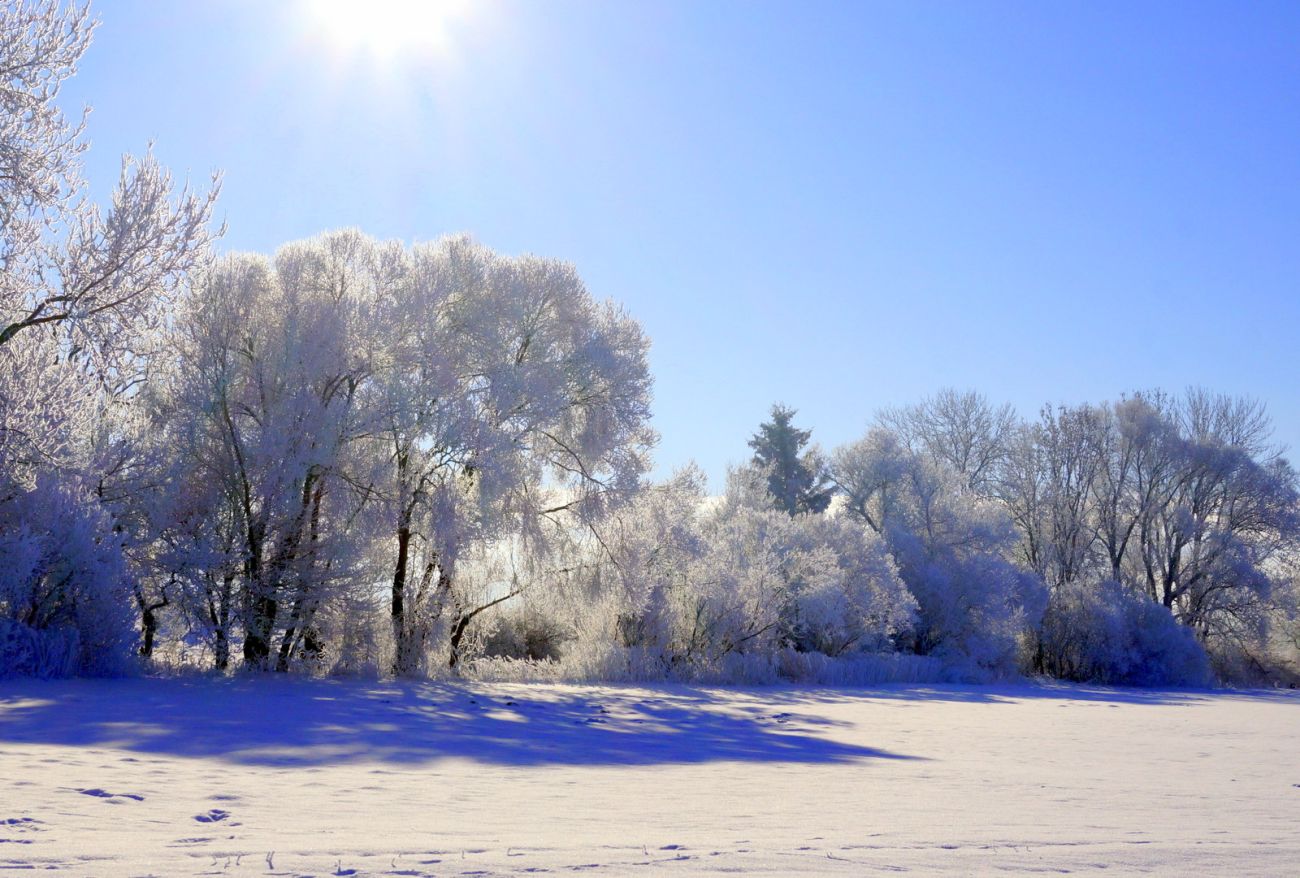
{"points": [[21, 823], [104, 794], [214, 816]]}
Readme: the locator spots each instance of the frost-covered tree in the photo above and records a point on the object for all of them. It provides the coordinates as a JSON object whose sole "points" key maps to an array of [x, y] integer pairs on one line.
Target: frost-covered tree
{"points": [[1180, 499], [962, 429], [83, 299], [96, 278], [1048, 488], [1207, 552], [508, 397], [260, 406], [359, 410], [796, 478], [81, 290]]}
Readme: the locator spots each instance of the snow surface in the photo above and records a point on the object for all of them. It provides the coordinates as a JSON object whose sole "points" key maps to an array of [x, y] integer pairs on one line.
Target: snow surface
{"points": [[291, 777]]}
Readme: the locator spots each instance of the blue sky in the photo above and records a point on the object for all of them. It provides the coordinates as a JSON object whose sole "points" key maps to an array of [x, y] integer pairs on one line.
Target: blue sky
{"points": [[839, 206]]}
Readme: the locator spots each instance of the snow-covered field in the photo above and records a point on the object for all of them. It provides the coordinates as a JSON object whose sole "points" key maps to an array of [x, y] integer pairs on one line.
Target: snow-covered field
{"points": [[287, 777]]}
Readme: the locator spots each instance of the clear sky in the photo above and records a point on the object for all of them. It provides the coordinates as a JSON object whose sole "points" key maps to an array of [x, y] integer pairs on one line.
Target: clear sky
{"points": [[835, 205]]}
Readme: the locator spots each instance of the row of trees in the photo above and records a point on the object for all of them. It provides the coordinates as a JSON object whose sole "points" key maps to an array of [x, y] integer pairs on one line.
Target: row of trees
{"points": [[1133, 542], [1179, 502], [357, 454], [1148, 541]]}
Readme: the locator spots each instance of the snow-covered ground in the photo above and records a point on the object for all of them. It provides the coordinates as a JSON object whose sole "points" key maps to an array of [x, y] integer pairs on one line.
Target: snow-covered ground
{"points": [[287, 777]]}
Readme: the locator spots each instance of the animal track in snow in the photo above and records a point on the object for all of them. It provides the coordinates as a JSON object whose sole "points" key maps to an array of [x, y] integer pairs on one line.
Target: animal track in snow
{"points": [[214, 816]]}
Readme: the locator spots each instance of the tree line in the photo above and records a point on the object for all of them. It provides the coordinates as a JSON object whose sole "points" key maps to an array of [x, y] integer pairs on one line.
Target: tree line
{"points": [[362, 456]]}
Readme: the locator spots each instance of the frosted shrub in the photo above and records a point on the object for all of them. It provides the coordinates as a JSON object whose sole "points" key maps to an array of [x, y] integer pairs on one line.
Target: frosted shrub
{"points": [[950, 546], [26, 652], [974, 612], [814, 582], [847, 594], [59, 572], [1107, 634], [1168, 652], [764, 580], [682, 587]]}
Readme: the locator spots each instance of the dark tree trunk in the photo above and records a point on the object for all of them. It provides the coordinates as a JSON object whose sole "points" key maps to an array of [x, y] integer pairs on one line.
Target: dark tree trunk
{"points": [[287, 641], [221, 650], [457, 635], [301, 603], [265, 605], [219, 616], [149, 619], [149, 622], [261, 608], [403, 659], [257, 642]]}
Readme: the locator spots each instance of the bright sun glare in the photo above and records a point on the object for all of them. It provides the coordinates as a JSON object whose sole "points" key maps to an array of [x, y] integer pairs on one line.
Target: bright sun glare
{"points": [[385, 29]]}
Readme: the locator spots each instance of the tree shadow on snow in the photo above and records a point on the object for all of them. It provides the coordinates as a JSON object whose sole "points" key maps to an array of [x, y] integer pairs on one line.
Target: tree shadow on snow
{"points": [[290, 722]]}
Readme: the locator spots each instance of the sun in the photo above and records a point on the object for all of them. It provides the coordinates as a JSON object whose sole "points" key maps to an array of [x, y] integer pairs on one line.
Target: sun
{"points": [[386, 29]]}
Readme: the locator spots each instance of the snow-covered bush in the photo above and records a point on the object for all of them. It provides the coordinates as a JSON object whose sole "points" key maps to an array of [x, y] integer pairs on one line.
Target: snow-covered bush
{"points": [[1104, 633], [974, 610], [27, 652], [689, 587], [814, 582], [61, 571], [951, 548]]}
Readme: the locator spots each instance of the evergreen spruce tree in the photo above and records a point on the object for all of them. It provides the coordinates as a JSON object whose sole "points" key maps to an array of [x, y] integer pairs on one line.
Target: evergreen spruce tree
{"points": [[797, 480]]}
